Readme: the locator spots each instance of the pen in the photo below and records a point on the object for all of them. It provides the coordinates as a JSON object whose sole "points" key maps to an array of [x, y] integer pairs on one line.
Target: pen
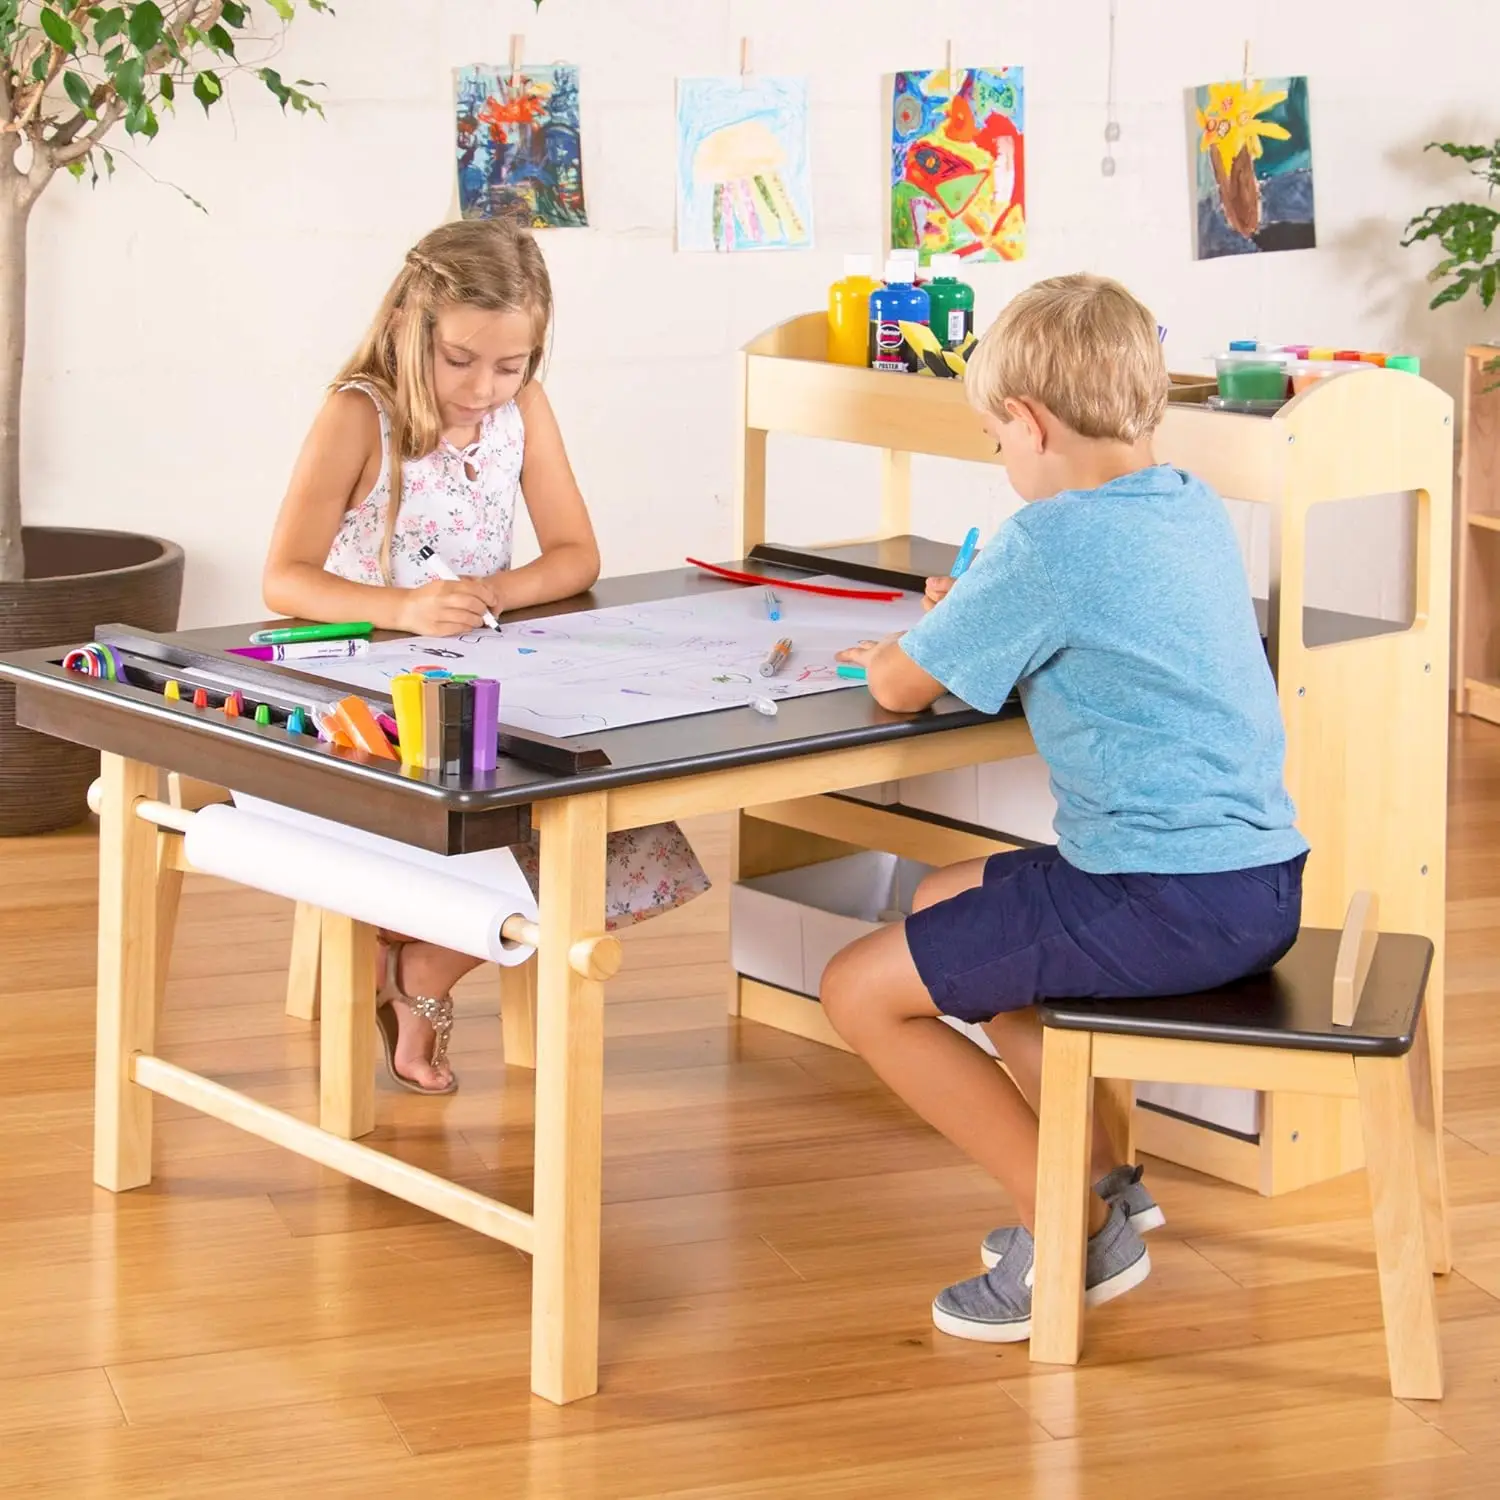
{"points": [[965, 553], [438, 566], [773, 604], [287, 635], [776, 658]]}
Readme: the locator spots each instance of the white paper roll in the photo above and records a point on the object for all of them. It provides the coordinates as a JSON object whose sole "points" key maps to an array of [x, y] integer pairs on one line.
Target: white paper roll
{"points": [[341, 869]]}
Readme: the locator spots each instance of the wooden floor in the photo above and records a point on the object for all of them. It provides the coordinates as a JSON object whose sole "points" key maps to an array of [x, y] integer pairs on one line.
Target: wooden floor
{"points": [[775, 1227]]}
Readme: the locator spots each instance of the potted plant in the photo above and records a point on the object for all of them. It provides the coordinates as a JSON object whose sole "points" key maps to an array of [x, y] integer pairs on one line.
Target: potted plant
{"points": [[71, 73], [1465, 231]]}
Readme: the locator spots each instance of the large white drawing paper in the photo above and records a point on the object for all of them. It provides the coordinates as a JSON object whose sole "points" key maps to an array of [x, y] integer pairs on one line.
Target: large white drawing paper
{"points": [[640, 663]]}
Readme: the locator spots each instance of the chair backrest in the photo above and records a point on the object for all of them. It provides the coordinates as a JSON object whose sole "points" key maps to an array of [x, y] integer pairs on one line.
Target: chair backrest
{"points": [[1356, 949]]}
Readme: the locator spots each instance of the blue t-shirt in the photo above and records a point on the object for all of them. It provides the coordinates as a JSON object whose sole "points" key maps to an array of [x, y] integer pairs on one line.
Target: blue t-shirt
{"points": [[1125, 617]]}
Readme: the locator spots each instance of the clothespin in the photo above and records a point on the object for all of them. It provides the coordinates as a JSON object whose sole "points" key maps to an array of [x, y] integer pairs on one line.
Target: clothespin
{"points": [[1245, 69], [952, 76], [744, 61], [517, 49]]}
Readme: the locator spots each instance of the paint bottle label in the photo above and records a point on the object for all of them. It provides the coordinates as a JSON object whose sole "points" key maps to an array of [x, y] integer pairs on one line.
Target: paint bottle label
{"points": [[960, 325], [888, 349]]}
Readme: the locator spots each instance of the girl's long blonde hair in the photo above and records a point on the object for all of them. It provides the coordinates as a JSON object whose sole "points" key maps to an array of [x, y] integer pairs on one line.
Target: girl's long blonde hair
{"points": [[493, 264]]}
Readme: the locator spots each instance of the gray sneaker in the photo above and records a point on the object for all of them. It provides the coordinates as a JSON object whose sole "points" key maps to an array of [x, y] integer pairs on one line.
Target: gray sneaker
{"points": [[996, 1308], [1123, 1185]]}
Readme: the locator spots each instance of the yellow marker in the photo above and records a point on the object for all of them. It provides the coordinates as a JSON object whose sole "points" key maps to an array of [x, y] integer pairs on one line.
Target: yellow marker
{"points": [[1321, 353], [406, 695], [172, 693]]}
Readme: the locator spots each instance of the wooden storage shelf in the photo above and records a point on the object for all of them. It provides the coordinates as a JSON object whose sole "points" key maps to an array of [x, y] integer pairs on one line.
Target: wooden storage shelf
{"points": [[1478, 634], [1366, 718], [1488, 519]]}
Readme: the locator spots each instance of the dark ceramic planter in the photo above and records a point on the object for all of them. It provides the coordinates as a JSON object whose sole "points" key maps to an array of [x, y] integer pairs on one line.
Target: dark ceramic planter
{"points": [[75, 580]]}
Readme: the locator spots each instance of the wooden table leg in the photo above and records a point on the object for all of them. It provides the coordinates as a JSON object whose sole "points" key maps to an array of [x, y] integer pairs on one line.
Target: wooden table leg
{"points": [[302, 971], [569, 1105], [1432, 1164], [168, 899], [346, 1039], [128, 944], [518, 1013], [1062, 1188]]}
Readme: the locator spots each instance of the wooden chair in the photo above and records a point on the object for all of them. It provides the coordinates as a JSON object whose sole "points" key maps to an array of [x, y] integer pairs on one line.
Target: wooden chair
{"points": [[517, 989], [1340, 1016]]}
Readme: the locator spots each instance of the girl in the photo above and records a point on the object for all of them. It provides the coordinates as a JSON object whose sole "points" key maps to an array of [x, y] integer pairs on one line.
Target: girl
{"points": [[431, 433]]}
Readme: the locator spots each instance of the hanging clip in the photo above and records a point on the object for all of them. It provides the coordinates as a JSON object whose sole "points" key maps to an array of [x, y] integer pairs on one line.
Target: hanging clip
{"points": [[517, 49], [1245, 63], [952, 75], [744, 61]]}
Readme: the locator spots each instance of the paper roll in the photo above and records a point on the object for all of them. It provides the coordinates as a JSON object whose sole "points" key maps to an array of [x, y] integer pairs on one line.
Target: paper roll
{"points": [[374, 880]]}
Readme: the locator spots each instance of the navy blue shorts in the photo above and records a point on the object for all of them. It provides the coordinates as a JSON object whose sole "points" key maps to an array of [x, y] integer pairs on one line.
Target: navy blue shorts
{"points": [[1039, 928]]}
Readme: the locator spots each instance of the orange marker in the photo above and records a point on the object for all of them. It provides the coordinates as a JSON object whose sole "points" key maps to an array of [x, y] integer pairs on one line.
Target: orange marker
{"points": [[233, 706], [352, 715]]}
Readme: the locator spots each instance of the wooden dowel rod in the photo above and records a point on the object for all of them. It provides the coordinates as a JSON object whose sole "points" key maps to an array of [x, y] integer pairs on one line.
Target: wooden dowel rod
{"points": [[461, 1205]]}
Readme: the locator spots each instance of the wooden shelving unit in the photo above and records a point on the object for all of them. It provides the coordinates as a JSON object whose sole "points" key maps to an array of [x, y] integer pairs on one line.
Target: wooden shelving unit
{"points": [[1478, 667], [1366, 717]]}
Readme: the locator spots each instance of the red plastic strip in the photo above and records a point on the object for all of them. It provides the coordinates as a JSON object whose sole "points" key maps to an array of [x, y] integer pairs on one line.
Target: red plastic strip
{"points": [[785, 583]]}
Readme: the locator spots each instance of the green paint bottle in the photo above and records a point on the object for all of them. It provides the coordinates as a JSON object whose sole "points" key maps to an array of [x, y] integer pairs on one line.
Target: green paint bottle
{"points": [[952, 302]]}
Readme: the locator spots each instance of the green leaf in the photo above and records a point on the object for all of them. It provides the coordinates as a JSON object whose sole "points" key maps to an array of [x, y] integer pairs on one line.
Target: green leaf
{"points": [[109, 159], [80, 93], [108, 23], [234, 13], [75, 168], [207, 89], [145, 25], [1463, 153], [60, 30], [39, 66], [140, 119], [283, 8], [220, 40], [129, 80], [166, 88]]}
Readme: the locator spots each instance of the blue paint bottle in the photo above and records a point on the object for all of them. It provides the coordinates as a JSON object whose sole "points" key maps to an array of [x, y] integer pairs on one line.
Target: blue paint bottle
{"points": [[899, 301]]}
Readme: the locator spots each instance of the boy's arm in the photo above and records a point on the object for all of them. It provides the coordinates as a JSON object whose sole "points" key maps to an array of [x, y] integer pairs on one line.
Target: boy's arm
{"points": [[895, 681]]}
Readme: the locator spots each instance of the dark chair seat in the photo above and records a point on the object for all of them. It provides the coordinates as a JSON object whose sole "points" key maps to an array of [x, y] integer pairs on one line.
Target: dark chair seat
{"points": [[1289, 1007]]}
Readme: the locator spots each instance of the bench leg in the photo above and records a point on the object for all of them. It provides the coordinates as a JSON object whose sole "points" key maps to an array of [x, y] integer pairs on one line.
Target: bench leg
{"points": [[1432, 1167], [1413, 1351], [1062, 1188], [346, 1060], [126, 1005], [569, 1105], [302, 972], [518, 1013]]}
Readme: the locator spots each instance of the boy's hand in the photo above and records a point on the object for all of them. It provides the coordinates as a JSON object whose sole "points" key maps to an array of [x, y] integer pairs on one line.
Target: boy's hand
{"points": [[937, 591], [860, 655], [444, 608]]}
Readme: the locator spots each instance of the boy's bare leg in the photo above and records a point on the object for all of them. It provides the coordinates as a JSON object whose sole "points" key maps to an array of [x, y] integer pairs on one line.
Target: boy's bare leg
{"points": [[1017, 1034], [877, 1002]]}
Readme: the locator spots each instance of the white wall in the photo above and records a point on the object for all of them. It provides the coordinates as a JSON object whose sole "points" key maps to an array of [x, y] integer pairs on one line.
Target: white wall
{"points": [[176, 359]]}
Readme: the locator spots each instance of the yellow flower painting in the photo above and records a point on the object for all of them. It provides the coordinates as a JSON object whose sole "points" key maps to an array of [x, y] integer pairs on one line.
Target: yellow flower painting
{"points": [[1253, 166]]}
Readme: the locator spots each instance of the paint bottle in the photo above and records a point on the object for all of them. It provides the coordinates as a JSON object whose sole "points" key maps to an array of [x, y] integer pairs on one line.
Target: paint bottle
{"points": [[849, 312], [898, 301], [952, 303]]}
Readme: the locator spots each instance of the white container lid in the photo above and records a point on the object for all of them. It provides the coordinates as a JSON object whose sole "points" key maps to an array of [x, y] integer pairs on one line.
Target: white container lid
{"points": [[945, 265], [900, 272], [859, 265]]}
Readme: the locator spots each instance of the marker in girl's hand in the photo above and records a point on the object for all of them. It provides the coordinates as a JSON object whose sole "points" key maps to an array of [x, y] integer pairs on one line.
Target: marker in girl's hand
{"points": [[965, 553], [439, 569]]}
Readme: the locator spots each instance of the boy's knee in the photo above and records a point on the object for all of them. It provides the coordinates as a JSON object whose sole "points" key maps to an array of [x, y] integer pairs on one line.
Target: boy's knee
{"points": [[839, 994]]}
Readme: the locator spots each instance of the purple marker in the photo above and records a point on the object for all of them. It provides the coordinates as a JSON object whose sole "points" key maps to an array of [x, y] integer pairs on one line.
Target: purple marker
{"points": [[486, 722], [303, 651]]}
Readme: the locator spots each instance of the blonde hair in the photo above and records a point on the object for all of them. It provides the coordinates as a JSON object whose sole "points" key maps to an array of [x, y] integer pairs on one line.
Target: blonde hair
{"points": [[1085, 349], [492, 264]]}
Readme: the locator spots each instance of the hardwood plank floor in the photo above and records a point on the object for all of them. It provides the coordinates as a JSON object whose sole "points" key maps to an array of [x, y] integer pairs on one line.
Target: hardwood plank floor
{"points": [[775, 1226]]}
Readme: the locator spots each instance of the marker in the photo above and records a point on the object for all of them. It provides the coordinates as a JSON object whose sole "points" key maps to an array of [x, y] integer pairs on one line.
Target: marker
{"points": [[287, 635], [295, 722], [776, 657], [853, 673], [262, 713], [304, 651], [200, 697], [436, 565], [406, 694], [353, 716], [432, 725], [965, 554], [450, 727], [486, 723], [773, 604], [172, 693], [234, 705]]}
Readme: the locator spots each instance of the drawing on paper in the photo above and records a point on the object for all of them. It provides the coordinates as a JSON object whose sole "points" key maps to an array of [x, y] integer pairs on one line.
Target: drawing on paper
{"points": [[743, 180], [640, 663], [519, 149], [958, 163], [1252, 164]]}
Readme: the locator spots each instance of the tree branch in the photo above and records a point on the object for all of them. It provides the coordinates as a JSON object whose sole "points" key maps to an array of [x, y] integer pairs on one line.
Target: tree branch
{"points": [[75, 150]]}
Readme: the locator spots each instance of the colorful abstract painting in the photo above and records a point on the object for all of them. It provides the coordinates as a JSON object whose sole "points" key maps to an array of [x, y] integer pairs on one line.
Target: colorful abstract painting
{"points": [[519, 146], [743, 179], [1252, 160], [958, 163]]}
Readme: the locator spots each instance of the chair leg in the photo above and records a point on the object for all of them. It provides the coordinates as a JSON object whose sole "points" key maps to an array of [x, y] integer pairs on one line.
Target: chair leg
{"points": [[1413, 1350], [346, 1061], [1432, 1167], [1114, 1105], [518, 1014], [302, 973], [1062, 1187]]}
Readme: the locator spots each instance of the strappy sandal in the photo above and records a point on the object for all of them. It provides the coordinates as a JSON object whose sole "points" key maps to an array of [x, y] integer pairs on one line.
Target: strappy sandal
{"points": [[438, 1013]]}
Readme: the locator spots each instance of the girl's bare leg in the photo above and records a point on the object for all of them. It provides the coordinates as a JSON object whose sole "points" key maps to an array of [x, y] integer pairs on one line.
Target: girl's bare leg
{"points": [[422, 969]]}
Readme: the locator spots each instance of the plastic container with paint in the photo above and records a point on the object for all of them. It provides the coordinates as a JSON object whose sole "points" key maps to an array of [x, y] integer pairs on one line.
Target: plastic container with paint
{"points": [[1244, 376], [1306, 373]]}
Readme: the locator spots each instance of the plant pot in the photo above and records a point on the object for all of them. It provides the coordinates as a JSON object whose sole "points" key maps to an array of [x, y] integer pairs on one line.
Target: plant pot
{"points": [[75, 580]]}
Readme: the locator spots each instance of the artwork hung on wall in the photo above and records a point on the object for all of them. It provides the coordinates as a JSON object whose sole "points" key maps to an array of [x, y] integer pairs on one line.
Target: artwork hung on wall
{"points": [[958, 163], [1252, 163], [519, 145], [743, 178]]}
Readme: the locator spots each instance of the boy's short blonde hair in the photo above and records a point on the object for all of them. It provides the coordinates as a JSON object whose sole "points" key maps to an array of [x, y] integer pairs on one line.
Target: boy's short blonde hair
{"points": [[1083, 347]]}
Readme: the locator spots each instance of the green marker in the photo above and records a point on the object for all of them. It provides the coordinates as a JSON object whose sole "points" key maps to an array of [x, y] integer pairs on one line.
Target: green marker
{"points": [[290, 634]]}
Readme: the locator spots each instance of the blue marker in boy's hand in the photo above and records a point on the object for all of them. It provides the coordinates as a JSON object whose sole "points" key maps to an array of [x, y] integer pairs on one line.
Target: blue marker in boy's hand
{"points": [[965, 553]]}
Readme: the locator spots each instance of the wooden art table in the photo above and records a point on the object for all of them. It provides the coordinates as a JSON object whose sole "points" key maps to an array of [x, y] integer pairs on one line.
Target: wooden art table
{"points": [[717, 762]]}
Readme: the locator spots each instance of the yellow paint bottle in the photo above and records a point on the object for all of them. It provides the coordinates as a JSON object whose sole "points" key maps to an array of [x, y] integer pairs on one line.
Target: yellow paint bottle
{"points": [[849, 312]]}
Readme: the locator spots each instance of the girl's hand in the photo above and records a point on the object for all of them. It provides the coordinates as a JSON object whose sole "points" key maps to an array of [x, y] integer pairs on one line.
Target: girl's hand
{"points": [[937, 591], [444, 608], [860, 655]]}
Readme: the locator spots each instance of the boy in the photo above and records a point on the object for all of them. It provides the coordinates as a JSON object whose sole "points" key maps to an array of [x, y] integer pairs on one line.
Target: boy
{"points": [[1120, 607]]}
